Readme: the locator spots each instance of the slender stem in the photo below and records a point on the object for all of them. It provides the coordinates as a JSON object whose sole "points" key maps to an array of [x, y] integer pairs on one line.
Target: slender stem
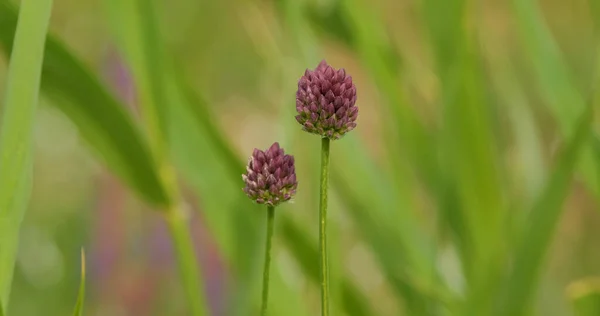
{"points": [[266, 272], [187, 261], [323, 227]]}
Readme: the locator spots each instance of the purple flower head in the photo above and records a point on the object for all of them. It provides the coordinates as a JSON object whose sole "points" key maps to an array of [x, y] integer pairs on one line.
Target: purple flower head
{"points": [[271, 176], [325, 102]]}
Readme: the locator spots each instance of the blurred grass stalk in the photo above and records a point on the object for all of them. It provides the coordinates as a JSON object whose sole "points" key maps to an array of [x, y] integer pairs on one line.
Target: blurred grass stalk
{"points": [[139, 39], [24, 73]]}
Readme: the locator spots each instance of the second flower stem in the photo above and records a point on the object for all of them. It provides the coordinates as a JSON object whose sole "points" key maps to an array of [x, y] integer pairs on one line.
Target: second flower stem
{"points": [[323, 227], [266, 272]]}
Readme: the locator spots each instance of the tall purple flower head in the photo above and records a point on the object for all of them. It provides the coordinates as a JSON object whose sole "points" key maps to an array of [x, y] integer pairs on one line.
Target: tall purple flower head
{"points": [[325, 102], [271, 176]]}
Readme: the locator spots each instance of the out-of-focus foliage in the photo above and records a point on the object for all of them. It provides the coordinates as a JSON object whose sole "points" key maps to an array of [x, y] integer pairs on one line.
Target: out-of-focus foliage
{"points": [[98, 116]]}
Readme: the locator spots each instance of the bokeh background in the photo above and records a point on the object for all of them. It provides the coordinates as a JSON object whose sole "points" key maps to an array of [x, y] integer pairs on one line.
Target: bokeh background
{"points": [[464, 109]]}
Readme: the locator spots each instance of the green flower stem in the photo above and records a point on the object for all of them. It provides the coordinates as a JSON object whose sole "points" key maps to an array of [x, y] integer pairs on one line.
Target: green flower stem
{"points": [[186, 259], [323, 227], [266, 272]]}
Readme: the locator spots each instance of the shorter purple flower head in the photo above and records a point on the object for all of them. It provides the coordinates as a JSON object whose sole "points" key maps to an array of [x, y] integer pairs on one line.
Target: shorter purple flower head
{"points": [[270, 176], [325, 102]]}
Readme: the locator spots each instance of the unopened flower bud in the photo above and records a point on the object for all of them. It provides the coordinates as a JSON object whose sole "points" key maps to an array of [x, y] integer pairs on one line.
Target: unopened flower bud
{"points": [[270, 176], [325, 102]]}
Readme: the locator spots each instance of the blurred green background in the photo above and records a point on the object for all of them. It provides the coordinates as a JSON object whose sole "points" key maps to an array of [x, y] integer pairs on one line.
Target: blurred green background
{"points": [[451, 197]]}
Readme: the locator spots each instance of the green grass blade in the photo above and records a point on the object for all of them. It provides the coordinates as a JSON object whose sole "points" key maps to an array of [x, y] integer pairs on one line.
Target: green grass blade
{"points": [[553, 74], [584, 296], [81, 293], [540, 226], [137, 31], [100, 118], [206, 119], [554, 80], [528, 144], [443, 21], [380, 57], [23, 83], [139, 40]]}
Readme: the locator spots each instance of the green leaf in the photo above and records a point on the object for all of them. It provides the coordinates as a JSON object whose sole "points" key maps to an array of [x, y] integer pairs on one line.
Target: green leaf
{"points": [[205, 118], [138, 36], [99, 117], [469, 156], [402, 124], [16, 129], [540, 226], [528, 144], [584, 296], [443, 21], [81, 294]]}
